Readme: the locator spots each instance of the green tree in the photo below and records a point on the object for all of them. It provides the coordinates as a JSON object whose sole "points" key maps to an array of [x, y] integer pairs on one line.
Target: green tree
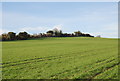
{"points": [[78, 33], [23, 35], [57, 32], [50, 32], [4, 37], [11, 36]]}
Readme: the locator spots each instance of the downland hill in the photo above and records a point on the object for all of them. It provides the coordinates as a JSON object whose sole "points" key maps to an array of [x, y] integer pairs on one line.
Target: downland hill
{"points": [[60, 58]]}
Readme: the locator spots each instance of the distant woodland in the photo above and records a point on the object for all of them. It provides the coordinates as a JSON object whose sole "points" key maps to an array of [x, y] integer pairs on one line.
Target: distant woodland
{"points": [[10, 36]]}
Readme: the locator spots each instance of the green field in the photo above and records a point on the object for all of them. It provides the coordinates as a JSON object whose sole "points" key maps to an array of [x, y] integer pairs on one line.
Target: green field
{"points": [[60, 58]]}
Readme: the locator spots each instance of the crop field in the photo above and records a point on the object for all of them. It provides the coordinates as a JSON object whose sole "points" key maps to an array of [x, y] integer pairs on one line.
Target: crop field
{"points": [[60, 58]]}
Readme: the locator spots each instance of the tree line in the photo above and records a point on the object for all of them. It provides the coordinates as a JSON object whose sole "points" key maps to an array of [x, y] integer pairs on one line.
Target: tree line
{"points": [[51, 33]]}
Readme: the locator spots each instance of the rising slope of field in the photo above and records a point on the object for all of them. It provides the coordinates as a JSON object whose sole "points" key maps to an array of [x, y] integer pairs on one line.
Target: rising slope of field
{"points": [[60, 58]]}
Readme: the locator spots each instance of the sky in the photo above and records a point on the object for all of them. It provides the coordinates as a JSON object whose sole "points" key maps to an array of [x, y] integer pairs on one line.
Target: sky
{"points": [[95, 18]]}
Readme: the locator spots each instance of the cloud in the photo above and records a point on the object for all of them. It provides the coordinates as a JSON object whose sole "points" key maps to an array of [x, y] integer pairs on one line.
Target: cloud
{"points": [[106, 34], [111, 27], [59, 27], [3, 31], [99, 21], [109, 30], [24, 20], [34, 29], [40, 29]]}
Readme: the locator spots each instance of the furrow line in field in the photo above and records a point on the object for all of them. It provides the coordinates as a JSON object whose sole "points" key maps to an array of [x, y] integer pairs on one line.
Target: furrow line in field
{"points": [[28, 62], [77, 68], [40, 59], [106, 69], [89, 64], [50, 57], [43, 59], [97, 70], [90, 74]]}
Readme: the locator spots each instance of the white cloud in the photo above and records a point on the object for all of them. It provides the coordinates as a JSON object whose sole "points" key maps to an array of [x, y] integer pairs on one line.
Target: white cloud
{"points": [[108, 30], [59, 27], [106, 34], [111, 27], [33, 29], [40, 29], [98, 23], [3, 31]]}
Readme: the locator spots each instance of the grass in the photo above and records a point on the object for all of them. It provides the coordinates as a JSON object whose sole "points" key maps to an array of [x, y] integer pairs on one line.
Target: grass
{"points": [[60, 58]]}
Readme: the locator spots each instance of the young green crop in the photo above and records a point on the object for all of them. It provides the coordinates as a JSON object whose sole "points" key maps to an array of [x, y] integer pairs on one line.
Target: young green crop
{"points": [[60, 58]]}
